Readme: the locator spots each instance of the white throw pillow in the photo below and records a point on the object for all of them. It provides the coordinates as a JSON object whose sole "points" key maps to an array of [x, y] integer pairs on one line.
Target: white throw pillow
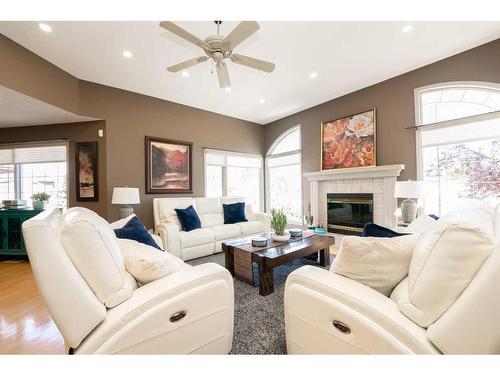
{"points": [[119, 224], [445, 261], [380, 263], [420, 225], [146, 263]]}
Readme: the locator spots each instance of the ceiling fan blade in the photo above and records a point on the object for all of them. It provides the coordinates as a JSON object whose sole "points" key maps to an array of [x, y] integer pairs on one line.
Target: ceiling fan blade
{"points": [[241, 32], [223, 75], [187, 64], [252, 62], [180, 32]]}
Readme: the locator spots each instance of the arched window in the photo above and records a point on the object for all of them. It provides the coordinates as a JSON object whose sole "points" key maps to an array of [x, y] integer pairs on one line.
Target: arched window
{"points": [[458, 143], [284, 175]]}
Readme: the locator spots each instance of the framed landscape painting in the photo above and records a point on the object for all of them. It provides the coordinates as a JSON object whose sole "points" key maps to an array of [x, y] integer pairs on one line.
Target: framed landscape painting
{"points": [[87, 186], [168, 166], [349, 142]]}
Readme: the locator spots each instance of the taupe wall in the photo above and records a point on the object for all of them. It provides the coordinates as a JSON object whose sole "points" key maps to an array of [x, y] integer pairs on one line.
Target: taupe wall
{"points": [[75, 132], [394, 102], [129, 117]]}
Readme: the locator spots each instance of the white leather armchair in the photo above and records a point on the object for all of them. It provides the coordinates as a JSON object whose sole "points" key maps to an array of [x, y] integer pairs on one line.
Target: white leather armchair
{"points": [[446, 305], [189, 311]]}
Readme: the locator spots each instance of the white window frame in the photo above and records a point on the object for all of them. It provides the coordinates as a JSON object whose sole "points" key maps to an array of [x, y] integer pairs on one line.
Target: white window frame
{"points": [[224, 171], [443, 124], [34, 144], [266, 167]]}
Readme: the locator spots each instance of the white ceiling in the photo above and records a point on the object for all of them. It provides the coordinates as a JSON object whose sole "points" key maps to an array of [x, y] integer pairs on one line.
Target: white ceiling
{"points": [[346, 55], [21, 110]]}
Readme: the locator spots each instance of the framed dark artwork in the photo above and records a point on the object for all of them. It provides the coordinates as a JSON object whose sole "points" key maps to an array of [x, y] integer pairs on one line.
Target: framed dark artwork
{"points": [[87, 180], [168, 166], [349, 142]]}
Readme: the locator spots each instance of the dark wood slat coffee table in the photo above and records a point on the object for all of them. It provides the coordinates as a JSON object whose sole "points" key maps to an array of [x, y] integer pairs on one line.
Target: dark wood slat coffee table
{"points": [[240, 255]]}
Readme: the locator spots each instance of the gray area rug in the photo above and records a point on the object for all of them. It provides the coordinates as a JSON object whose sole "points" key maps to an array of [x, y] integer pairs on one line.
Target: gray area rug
{"points": [[259, 322]]}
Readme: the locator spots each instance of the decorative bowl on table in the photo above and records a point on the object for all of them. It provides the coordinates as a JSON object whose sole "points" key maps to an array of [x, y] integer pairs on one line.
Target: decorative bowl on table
{"points": [[259, 241], [295, 232], [281, 238], [320, 230]]}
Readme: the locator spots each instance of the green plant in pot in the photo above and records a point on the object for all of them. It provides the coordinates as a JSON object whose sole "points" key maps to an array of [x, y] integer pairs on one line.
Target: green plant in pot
{"points": [[278, 222], [39, 200]]}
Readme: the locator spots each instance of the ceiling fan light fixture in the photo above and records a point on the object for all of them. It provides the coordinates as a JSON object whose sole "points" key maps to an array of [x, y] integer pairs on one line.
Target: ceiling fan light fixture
{"points": [[185, 73]]}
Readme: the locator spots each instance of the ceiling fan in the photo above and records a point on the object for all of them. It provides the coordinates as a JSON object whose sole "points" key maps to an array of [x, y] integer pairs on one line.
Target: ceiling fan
{"points": [[219, 47]]}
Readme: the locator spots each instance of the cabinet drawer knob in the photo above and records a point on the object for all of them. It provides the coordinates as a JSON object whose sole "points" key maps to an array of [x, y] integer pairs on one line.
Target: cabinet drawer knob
{"points": [[177, 316], [342, 327]]}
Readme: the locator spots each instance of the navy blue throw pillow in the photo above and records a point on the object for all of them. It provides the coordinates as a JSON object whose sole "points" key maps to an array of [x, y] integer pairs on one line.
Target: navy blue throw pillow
{"points": [[374, 230], [135, 230], [234, 213], [188, 218]]}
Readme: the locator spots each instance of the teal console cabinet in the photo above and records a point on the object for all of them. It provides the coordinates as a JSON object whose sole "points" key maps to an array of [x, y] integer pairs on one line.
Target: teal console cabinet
{"points": [[11, 235]]}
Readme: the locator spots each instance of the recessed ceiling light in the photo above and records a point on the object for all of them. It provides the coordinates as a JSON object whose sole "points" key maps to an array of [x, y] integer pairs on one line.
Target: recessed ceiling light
{"points": [[45, 27], [407, 29], [313, 74], [227, 89], [262, 100], [127, 54], [185, 73]]}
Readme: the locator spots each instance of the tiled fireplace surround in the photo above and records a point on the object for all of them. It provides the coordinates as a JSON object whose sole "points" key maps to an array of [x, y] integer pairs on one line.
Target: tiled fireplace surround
{"points": [[379, 180]]}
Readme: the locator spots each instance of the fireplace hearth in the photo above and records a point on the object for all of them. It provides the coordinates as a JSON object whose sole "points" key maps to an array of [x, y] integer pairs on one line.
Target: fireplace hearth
{"points": [[348, 213]]}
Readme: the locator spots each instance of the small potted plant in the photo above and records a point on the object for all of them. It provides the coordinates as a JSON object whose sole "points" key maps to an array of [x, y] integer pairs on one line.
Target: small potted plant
{"points": [[278, 222], [39, 200]]}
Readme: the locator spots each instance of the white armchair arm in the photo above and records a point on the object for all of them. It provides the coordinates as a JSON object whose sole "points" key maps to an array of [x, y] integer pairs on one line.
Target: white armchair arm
{"points": [[189, 311], [265, 219], [315, 299], [169, 233]]}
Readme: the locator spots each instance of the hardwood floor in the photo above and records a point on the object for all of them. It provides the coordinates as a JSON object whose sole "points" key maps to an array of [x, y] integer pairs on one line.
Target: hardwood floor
{"points": [[25, 325]]}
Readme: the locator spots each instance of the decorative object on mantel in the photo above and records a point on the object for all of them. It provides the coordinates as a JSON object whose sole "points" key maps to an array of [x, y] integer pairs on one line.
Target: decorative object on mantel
{"points": [[125, 196], [278, 223], [87, 186], [38, 200], [309, 219], [320, 229], [349, 142], [168, 166], [409, 189]]}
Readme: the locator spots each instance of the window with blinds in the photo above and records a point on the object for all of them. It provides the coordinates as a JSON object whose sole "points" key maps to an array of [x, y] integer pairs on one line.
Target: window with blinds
{"points": [[459, 153], [234, 174], [28, 168]]}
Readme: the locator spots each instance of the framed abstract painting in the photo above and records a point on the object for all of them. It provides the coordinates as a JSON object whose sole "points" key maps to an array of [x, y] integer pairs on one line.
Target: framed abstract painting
{"points": [[87, 181], [168, 166], [349, 142]]}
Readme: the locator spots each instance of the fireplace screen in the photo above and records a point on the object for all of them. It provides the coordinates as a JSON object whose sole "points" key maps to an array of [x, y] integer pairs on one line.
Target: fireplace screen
{"points": [[348, 213]]}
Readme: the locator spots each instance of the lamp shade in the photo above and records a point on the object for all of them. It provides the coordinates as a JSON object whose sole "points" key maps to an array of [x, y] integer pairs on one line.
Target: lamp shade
{"points": [[125, 195], [409, 189]]}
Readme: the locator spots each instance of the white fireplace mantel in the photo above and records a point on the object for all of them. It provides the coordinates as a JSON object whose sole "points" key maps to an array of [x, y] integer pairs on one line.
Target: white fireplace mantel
{"points": [[354, 173], [380, 181]]}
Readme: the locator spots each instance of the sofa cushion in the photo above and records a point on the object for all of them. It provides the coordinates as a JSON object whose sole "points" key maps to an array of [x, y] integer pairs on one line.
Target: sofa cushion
{"points": [[146, 264], [380, 263], [375, 230], [197, 237], [92, 247], [167, 206], [234, 213], [208, 206], [225, 231], [445, 261], [420, 225], [210, 220], [135, 230], [189, 218], [251, 227]]}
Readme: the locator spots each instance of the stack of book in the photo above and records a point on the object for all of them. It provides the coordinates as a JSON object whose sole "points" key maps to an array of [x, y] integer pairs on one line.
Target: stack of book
{"points": [[14, 203]]}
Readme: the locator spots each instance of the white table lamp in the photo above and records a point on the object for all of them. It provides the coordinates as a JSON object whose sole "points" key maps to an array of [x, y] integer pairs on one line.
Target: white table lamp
{"points": [[409, 189], [125, 196]]}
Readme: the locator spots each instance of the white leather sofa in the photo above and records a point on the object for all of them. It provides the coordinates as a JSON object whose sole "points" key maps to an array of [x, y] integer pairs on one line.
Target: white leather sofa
{"points": [[208, 239], [447, 304], [98, 306]]}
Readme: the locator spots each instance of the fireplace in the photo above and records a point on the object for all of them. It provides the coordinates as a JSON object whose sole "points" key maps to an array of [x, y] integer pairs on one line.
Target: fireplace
{"points": [[348, 213]]}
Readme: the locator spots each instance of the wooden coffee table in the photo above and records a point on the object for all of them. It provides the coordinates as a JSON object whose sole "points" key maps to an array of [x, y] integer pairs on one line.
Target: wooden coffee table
{"points": [[240, 255]]}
